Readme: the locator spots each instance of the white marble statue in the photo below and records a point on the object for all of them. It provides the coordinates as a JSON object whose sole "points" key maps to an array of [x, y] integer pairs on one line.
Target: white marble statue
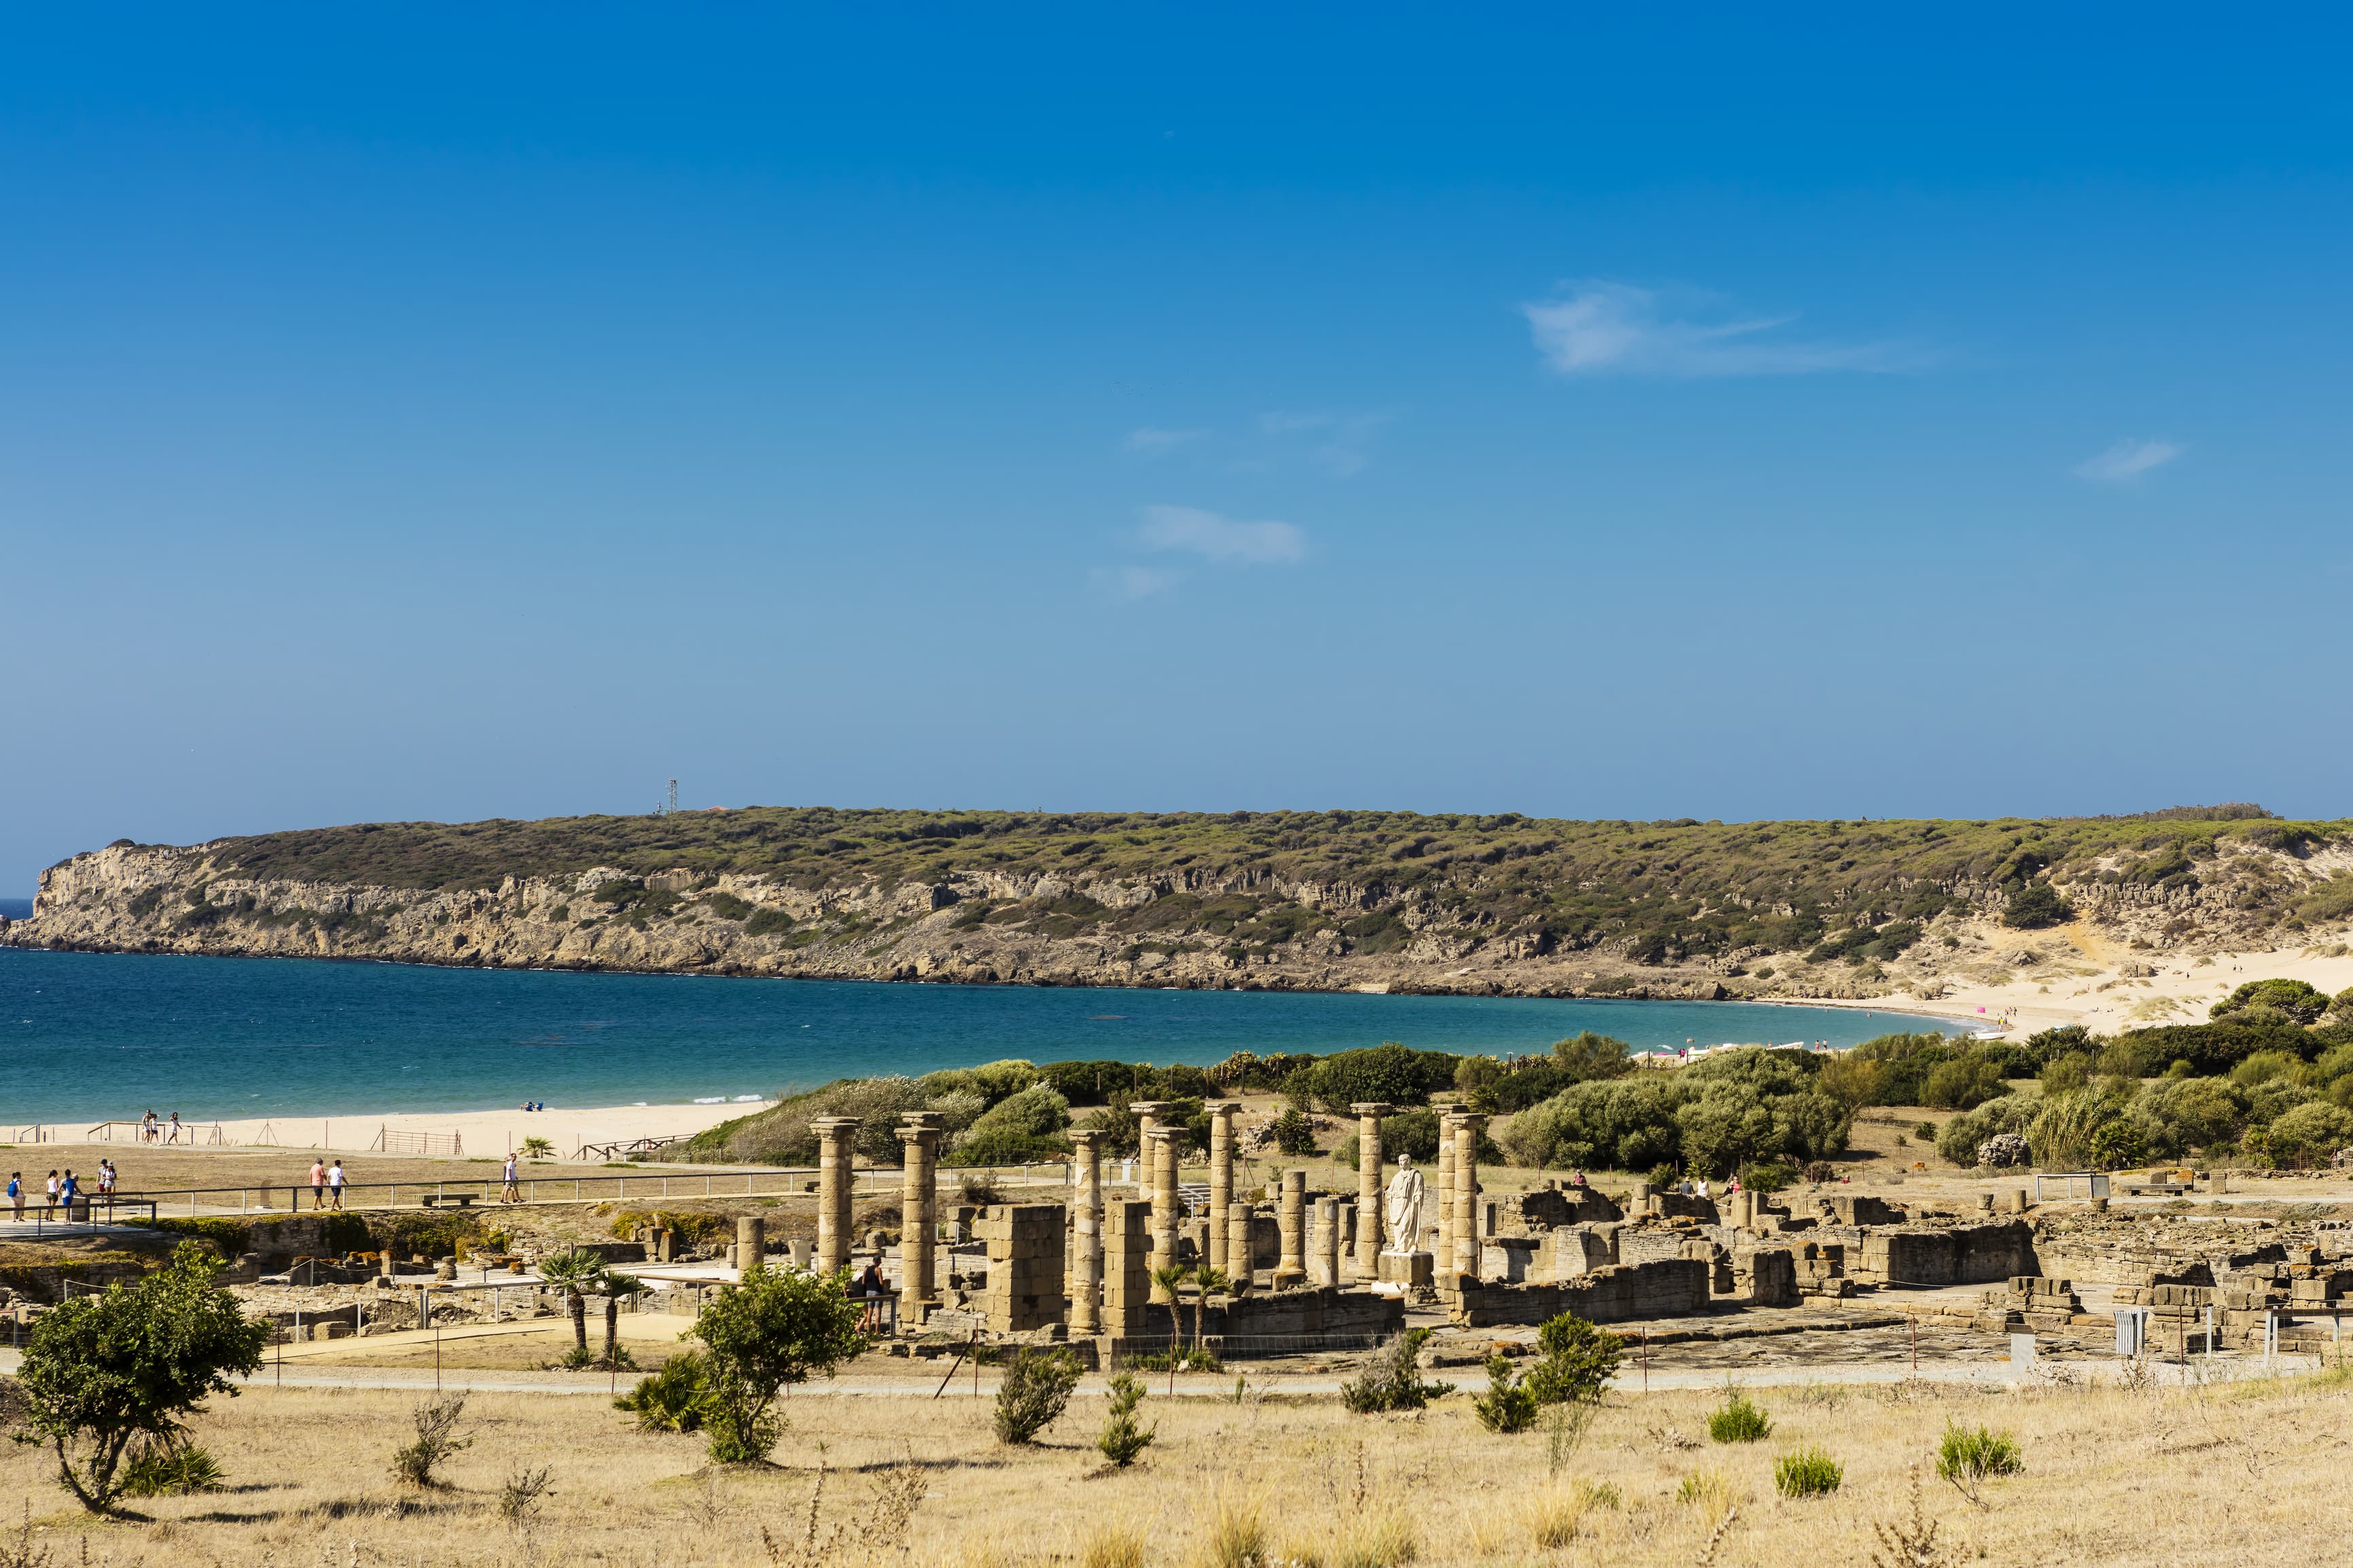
{"points": [[1402, 1207]]}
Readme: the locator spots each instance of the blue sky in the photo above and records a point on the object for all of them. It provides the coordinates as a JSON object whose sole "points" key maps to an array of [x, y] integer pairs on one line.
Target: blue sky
{"points": [[420, 413]]}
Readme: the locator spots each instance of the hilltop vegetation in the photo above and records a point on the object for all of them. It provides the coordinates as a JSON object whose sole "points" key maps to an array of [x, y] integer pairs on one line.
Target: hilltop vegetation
{"points": [[1652, 892]]}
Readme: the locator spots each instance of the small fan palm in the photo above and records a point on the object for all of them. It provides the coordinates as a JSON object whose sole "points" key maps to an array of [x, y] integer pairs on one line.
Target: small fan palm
{"points": [[616, 1285], [576, 1273]]}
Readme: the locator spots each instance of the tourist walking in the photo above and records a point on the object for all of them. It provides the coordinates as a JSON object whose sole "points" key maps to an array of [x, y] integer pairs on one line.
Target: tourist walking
{"points": [[16, 1193], [66, 1190], [175, 1138], [335, 1182], [512, 1192], [49, 1198], [147, 1126], [318, 1183]]}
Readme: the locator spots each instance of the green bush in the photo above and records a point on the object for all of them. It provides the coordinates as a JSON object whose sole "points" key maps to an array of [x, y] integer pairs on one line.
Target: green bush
{"points": [[1509, 1404], [168, 1468], [1388, 1072], [670, 1400], [1738, 1420], [1578, 1360], [767, 923], [1123, 1439], [1035, 1391], [1392, 1379], [1968, 1455], [1293, 1134], [2036, 905], [227, 1237], [1806, 1472], [1767, 1178]]}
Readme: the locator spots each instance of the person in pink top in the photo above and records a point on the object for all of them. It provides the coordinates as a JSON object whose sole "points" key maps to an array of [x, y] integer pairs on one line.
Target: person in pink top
{"points": [[318, 1183]]}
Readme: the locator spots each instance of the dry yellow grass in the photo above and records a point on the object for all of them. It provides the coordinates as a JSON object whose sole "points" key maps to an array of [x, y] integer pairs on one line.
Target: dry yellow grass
{"points": [[2218, 1476]]}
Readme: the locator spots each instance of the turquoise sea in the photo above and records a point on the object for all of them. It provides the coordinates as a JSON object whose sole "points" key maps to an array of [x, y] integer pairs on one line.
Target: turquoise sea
{"points": [[92, 1036]]}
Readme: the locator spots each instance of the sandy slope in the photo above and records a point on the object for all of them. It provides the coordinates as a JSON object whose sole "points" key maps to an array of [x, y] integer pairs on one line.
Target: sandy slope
{"points": [[2084, 980], [493, 1133]]}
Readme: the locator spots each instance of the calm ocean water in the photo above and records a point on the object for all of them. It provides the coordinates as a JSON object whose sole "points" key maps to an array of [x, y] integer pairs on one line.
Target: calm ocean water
{"points": [[102, 1034]]}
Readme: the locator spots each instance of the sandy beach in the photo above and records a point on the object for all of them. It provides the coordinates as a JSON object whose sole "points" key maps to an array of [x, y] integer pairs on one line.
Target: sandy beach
{"points": [[488, 1134]]}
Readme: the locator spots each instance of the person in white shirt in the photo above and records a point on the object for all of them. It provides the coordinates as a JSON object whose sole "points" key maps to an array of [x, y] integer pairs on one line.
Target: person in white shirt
{"points": [[335, 1182], [511, 1191]]}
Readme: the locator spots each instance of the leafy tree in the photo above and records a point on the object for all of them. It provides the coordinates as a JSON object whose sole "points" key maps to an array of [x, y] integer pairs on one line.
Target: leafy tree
{"points": [[1963, 1085], [1388, 1072], [2291, 999], [2311, 1132], [1578, 1360], [133, 1363], [1854, 1080], [1585, 1055], [778, 1326], [576, 1273], [2034, 905]]}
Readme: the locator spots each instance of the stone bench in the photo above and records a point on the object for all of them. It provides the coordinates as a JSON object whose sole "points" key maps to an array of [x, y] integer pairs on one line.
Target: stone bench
{"points": [[434, 1200]]}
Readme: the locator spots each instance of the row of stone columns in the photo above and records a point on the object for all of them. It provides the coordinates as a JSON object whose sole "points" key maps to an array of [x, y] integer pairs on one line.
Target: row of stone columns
{"points": [[1228, 1230]]}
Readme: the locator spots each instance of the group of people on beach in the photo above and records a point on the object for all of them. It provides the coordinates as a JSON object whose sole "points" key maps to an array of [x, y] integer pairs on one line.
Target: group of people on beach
{"points": [[154, 1132], [534, 1105], [62, 1189]]}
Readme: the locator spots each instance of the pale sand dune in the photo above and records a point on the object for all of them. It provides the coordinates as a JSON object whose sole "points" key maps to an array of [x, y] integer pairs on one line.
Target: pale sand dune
{"points": [[490, 1133], [2070, 988]]}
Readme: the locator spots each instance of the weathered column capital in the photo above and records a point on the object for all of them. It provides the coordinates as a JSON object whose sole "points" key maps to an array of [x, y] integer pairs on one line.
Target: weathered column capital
{"points": [[922, 1121], [1084, 1136], [1372, 1108]]}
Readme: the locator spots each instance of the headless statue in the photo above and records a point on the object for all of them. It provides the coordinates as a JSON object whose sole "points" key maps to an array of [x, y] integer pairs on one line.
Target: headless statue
{"points": [[1402, 1207]]}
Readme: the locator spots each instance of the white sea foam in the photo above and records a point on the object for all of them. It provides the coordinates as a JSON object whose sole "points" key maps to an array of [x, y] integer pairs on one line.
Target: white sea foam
{"points": [[747, 1100], [710, 1100]]}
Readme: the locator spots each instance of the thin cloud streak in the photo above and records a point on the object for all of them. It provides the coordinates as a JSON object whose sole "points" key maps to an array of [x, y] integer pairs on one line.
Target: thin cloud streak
{"points": [[1156, 443], [1616, 328], [1220, 539], [2127, 461], [1342, 452], [1127, 584]]}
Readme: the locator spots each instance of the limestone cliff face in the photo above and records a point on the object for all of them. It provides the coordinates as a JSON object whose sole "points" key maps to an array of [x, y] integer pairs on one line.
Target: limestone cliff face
{"points": [[1041, 929]]}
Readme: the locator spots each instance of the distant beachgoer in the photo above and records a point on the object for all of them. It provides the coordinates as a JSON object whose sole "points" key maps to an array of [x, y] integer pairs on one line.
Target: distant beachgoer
{"points": [[1703, 1187], [318, 1183], [16, 1193], [1577, 1179], [51, 1196], [106, 1178], [66, 1190], [175, 1138], [870, 1287], [512, 1191], [147, 1126]]}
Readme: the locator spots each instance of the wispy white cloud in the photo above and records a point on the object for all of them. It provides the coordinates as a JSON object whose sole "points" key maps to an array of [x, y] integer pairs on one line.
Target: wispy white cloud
{"points": [[1156, 443], [2127, 461], [1342, 451], [1220, 538], [1127, 582], [1602, 328]]}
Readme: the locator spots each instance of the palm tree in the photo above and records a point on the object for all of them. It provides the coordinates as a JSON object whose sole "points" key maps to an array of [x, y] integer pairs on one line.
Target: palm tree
{"points": [[616, 1285], [1207, 1280], [1169, 1280], [576, 1273]]}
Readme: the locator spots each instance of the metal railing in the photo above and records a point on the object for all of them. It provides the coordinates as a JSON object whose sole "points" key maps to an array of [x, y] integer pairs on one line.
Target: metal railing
{"points": [[489, 1191], [89, 1209]]}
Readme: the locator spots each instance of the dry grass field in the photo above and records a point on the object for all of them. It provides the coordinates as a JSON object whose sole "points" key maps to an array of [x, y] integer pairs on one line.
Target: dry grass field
{"points": [[2222, 1475]]}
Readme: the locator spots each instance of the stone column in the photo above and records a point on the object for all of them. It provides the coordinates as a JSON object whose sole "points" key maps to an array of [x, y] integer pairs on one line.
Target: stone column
{"points": [[836, 1180], [1086, 1232], [1221, 1177], [1239, 1254], [919, 1212], [1467, 1128], [1160, 1160], [1148, 1113], [1368, 1188], [1291, 1270], [751, 1243], [1443, 1255], [1326, 1270]]}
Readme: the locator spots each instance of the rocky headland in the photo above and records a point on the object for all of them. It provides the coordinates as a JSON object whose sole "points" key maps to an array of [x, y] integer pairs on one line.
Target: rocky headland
{"points": [[1492, 906]]}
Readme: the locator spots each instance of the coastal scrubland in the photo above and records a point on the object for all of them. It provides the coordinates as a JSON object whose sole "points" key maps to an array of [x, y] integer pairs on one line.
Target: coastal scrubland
{"points": [[2267, 1079]]}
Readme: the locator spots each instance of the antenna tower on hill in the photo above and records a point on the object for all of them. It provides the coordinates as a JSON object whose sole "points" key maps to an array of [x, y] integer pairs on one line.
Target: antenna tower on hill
{"points": [[673, 794]]}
